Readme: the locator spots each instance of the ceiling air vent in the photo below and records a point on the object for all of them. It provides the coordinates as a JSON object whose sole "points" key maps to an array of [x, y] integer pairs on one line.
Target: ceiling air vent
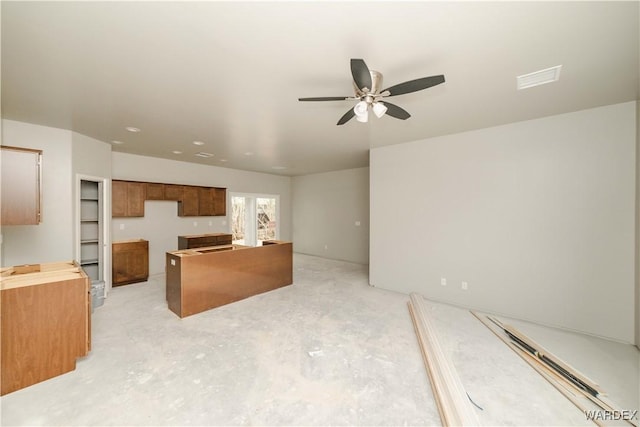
{"points": [[538, 78]]}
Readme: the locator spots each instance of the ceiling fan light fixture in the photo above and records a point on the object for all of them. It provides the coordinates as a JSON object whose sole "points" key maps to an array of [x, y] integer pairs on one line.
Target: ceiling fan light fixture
{"points": [[362, 111], [363, 119], [379, 109]]}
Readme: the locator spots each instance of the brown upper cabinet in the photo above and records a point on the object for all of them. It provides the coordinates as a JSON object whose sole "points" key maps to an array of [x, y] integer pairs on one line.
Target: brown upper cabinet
{"points": [[173, 192], [189, 204], [206, 201], [21, 183], [127, 198], [220, 202], [155, 191]]}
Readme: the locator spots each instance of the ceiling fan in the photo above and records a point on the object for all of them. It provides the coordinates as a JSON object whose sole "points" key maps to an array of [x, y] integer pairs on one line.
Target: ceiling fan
{"points": [[367, 84]]}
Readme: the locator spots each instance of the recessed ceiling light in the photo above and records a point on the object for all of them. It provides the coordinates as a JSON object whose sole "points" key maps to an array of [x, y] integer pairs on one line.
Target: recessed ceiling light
{"points": [[537, 78], [248, 153], [198, 143], [202, 154], [132, 129], [223, 160], [117, 142], [278, 167], [176, 152]]}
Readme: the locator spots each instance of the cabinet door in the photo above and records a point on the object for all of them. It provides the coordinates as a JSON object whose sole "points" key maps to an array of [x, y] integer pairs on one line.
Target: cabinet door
{"points": [[155, 191], [120, 262], [189, 204], [172, 192], [20, 186], [206, 196], [118, 198], [135, 198], [139, 261], [220, 202], [130, 262]]}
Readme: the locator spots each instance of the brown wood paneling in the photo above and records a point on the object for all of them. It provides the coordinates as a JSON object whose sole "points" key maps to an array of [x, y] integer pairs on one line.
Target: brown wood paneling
{"points": [[173, 291], [220, 202], [203, 240], [45, 327], [129, 262], [206, 197], [136, 194], [20, 186], [212, 279], [173, 192], [189, 204], [155, 191], [118, 198]]}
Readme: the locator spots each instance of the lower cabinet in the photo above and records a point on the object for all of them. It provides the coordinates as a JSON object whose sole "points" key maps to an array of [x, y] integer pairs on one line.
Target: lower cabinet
{"points": [[45, 322], [203, 240], [129, 262]]}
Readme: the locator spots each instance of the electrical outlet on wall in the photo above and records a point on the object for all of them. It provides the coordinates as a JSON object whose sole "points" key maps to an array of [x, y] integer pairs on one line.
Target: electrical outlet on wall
{"points": [[443, 281], [465, 286]]}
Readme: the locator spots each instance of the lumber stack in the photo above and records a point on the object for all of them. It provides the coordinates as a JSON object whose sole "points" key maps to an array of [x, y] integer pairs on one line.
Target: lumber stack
{"points": [[453, 403]]}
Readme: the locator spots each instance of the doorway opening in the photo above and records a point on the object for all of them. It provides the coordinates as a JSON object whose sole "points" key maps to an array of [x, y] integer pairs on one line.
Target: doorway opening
{"points": [[254, 218]]}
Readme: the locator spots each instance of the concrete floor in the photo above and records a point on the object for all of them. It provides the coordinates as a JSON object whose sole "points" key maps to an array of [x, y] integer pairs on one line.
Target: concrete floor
{"points": [[329, 350]]}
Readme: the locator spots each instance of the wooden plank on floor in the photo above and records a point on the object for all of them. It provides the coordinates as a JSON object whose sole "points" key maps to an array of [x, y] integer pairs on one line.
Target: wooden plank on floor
{"points": [[452, 401], [534, 355]]}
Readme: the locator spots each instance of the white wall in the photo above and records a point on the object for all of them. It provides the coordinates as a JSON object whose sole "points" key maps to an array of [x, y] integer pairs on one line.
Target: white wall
{"points": [[92, 160], [161, 225], [52, 239], [537, 217], [326, 207], [637, 258]]}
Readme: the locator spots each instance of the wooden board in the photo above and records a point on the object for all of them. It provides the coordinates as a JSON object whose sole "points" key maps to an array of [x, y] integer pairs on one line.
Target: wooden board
{"points": [[452, 401], [581, 398]]}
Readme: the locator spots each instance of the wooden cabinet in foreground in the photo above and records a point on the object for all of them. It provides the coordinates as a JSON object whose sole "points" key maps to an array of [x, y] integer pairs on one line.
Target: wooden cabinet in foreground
{"points": [[46, 314], [129, 262], [21, 184]]}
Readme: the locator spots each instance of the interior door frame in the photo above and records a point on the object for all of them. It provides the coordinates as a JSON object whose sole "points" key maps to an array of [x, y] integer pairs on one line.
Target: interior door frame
{"points": [[251, 212], [105, 194]]}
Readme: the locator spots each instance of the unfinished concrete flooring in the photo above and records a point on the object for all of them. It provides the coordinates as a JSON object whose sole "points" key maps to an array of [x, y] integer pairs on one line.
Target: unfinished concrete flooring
{"points": [[328, 350]]}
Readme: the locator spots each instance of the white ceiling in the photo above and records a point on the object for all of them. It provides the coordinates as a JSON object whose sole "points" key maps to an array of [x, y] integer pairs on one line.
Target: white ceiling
{"points": [[229, 73]]}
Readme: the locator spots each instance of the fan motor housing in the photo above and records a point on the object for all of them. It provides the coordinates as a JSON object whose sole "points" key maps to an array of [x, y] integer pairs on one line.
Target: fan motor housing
{"points": [[376, 83]]}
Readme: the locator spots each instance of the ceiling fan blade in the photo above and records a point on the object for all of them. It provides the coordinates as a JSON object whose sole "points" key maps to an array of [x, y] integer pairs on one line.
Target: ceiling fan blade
{"points": [[361, 75], [326, 98], [414, 85], [347, 116], [395, 111]]}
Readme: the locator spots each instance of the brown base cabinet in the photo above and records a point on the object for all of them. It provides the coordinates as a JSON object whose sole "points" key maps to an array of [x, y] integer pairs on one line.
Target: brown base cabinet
{"points": [[46, 322], [203, 240], [129, 262]]}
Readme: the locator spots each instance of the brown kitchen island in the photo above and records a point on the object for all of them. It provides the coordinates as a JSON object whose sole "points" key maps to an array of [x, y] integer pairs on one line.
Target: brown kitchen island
{"points": [[204, 278]]}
